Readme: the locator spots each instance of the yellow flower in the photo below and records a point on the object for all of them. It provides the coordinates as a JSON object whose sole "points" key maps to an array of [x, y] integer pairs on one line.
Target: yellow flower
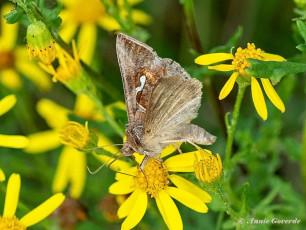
{"points": [[9, 221], [75, 135], [87, 14], [69, 67], [11, 141], [15, 61], [155, 182], [239, 64], [207, 167], [71, 169]]}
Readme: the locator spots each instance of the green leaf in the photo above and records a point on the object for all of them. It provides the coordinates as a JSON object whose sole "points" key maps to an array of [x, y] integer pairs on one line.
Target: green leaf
{"points": [[14, 16], [302, 28], [273, 70], [17, 15]]}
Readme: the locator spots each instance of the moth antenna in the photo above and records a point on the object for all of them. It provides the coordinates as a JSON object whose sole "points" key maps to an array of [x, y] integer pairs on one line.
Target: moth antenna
{"points": [[98, 169], [117, 158], [105, 163], [100, 147]]}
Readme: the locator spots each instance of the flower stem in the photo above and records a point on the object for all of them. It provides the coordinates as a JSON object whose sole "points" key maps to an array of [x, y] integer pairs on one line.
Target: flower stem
{"points": [[232, 126], [196, 45]]}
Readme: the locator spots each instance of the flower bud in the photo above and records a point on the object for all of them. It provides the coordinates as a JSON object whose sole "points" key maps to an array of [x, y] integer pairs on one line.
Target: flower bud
{"points": [[78, 136], [40, 43], [208, 169]]}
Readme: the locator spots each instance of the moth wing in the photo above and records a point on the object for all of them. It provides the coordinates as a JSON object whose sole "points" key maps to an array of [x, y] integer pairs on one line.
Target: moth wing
{"points": [[132, 54], [173, 104], [137, 60]]}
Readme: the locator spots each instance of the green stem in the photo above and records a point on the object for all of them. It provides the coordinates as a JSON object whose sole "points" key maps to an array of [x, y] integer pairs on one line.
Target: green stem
{"points": [[196, 45], [232, 126], [219, 221], [226, 205], [105, 114]]}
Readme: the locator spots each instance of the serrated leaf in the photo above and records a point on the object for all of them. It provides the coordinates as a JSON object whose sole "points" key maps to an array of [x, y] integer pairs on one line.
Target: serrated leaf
{"points": [[273, 70], [302, 28]]}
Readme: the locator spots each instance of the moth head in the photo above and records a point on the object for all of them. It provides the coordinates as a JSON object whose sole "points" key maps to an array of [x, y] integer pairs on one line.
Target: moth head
{"points": [[127, 150]]}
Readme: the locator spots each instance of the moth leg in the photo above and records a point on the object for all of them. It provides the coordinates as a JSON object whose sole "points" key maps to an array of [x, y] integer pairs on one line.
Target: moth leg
{"points": [[197, 147], [177, 148], [143, 163]]}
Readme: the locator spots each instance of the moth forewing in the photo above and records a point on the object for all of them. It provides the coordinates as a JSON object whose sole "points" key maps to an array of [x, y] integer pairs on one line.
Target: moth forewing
{"points": [[161, 100]]}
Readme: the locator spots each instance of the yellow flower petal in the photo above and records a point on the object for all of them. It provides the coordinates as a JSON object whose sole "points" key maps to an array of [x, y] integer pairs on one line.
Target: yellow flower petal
{"points": [[258, 99], [128, 204], [43, 141], [187, 199], [169, 211], [129, 171], [85, 107], [62, 174], [77, 172], [12, 195], [54, 114], [10, 79], [122, 187], [87, 40], [272, 57], [141, 17], [208, 59], [34, 73], [227, 88], [2, 175], [68, 28], [14, 141], [8, 31], [186, 185], [7, 103], [222, 67], [169, 149], [43, 210], [272, 95], [136, 212], [180, 163], [109, 23]]}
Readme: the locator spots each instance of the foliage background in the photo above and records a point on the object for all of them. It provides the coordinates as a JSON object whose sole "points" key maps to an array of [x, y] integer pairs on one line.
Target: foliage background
{"points": [[268, 153]]}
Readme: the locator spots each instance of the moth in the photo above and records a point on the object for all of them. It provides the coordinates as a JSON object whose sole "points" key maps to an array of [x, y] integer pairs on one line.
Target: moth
{"points": [[161, 100]]}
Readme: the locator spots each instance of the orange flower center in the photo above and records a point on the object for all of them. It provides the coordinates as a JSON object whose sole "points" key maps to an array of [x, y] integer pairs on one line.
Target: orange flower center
{"points": [[155, 177], [11, 223], [87, 11], [7, 60], [240, 59]]}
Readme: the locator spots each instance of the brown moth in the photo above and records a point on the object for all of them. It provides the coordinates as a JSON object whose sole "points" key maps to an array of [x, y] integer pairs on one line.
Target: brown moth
{"points": [[161, 100]]}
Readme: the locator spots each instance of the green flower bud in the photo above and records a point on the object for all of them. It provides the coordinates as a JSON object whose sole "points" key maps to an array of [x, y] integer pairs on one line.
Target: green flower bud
{"points": [[40, 43]]}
